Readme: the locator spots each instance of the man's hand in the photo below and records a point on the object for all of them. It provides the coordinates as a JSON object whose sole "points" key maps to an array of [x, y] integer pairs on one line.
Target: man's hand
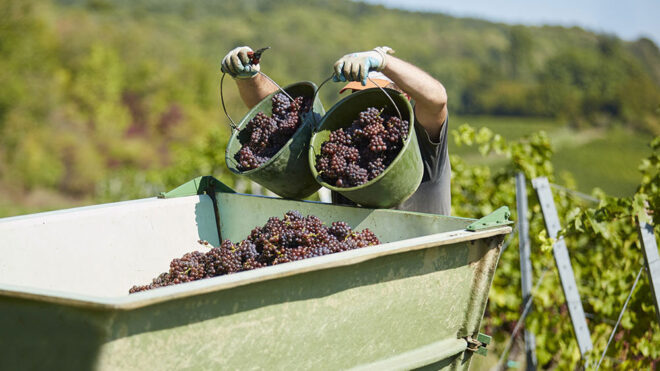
{"points": [[356, 66], [237, 63]]}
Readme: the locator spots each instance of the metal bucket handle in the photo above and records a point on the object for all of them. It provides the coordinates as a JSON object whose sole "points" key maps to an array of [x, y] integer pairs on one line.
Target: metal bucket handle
{"points": [[316, 123], [222, 98]]}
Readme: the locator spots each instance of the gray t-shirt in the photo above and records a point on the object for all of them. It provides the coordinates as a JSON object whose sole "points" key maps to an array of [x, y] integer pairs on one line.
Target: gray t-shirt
{"points": [[433, 195]]}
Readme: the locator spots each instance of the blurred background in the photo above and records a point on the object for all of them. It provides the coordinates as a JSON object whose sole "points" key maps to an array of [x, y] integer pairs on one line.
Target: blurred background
{"points": [[108, 100]]}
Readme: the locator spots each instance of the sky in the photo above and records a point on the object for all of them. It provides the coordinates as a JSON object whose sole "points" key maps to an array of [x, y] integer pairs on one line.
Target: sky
{"points": [[627, 19]]}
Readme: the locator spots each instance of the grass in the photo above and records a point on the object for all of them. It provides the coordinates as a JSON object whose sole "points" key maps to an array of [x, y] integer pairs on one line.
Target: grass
{"points": [[609, 162], [607, 159], [509, 127]]}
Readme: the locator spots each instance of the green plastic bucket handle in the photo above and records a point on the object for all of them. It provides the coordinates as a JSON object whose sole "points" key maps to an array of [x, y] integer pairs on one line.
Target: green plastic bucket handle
{"points": [[222, 97], [316, 123]]}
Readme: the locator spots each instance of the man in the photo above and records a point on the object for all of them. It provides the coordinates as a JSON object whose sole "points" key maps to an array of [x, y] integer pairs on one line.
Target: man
{"points": [[430, 106]]}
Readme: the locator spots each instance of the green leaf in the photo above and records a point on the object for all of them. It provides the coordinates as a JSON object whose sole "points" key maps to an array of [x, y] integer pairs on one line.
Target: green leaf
{"points": [[639, 208]]}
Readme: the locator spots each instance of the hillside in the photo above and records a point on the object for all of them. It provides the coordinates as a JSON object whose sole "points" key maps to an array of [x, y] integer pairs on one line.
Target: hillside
{"points": [[490, 68], [115, 99]]}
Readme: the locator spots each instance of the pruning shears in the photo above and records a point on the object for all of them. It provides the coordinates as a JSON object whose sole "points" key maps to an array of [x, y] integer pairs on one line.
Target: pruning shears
{"points": [[256, 55]]}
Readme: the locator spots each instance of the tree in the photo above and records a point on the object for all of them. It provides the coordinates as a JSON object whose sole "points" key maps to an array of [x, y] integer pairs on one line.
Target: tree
{"points": [[520, 50]]}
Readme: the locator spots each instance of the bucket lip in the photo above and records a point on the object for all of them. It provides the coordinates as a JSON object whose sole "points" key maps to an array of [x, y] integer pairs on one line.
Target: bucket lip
{"points": [[312, 155], [234, 135]]}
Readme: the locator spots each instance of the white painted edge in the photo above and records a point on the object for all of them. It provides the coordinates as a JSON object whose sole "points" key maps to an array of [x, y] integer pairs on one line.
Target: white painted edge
{"points": [[80, 209], [145, 298]]}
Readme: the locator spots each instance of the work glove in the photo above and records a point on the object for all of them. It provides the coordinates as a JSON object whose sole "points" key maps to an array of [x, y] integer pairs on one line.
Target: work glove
{"points": [[237, 63], [356, 66]]}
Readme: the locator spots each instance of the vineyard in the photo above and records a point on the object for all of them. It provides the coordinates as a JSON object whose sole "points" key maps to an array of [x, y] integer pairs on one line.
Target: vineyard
{"points": [[109, 101], [604, 245]]}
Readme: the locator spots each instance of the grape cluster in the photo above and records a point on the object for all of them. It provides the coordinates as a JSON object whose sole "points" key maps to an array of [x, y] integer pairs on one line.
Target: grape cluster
{"points": [[294, 237], [355, 155], [264, 136]]}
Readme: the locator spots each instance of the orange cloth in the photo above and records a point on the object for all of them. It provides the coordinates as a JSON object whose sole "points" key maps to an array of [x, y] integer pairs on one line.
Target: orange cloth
{"points": [[357, 85]]}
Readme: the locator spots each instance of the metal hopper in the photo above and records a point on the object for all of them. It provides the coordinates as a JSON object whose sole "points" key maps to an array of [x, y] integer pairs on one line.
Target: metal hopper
{"points": [[416, 300]]}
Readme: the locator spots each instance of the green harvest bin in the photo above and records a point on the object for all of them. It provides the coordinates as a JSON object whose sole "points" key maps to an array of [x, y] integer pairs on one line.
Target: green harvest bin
{"points": [[413, 301], [287, 172], [401, 178]]}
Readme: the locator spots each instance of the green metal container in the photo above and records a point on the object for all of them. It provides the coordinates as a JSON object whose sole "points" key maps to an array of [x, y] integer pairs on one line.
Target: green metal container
{"points": [[416, 300], [401, 178], [287, 172]]}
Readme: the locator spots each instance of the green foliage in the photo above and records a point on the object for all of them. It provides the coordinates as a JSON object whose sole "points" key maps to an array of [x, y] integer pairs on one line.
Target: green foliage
{"points": [[595, 157], [649, 190], [613, 242], [606, 160], [602, 241], [599, 85], [37, 161], [96, 88], [521, 44], [109, 100]]}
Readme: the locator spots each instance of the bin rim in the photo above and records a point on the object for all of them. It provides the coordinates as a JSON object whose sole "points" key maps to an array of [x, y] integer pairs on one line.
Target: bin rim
{"points": [[229, 160], [208, 285], [312, 154]]}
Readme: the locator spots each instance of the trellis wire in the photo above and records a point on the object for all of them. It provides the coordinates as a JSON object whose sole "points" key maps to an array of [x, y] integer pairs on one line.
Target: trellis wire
{"points": [[222, 96], [516, 329], [620, 316], [574, 193], [509, 238]]}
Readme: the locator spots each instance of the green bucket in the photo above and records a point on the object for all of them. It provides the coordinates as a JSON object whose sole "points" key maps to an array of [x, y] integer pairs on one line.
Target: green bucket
{"points": [[402, 177], [287, 172]]}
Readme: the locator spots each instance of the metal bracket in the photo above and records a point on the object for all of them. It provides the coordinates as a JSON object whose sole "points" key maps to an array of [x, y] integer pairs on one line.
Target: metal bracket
{"points": [[198, 186], [479, 344], [497, 218]]}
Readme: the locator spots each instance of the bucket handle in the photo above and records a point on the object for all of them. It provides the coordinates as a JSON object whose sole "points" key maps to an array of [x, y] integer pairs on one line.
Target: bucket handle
{"points": [[316, 123], [222, 98]]}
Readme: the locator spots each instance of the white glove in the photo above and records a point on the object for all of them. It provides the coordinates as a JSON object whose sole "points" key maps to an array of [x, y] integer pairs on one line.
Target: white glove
{"points": [[237, 63], [356, 66]]}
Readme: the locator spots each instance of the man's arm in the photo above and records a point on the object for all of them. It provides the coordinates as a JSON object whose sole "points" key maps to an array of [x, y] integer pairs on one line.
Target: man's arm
{"points": [[255, 89], [252, 86], [429, 94]]}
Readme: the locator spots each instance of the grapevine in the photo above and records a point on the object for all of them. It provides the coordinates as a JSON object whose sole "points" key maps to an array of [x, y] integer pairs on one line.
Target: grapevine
{"points": [[603, 244]]}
